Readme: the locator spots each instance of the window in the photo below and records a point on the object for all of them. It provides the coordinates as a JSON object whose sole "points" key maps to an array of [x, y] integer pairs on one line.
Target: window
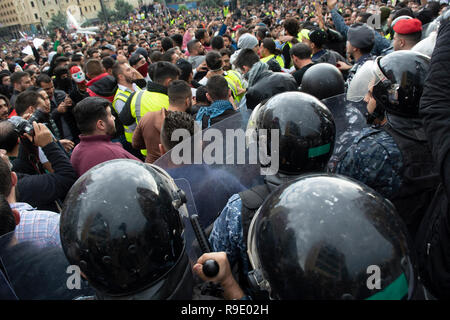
{"points": [[95, 8], [47, 15], [36, 16], [85, 9], [32, 4], [43, 2]]}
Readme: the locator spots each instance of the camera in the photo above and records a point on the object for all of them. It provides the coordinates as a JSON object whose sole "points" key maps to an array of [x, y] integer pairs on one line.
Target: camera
{"points": [[23, 126]]}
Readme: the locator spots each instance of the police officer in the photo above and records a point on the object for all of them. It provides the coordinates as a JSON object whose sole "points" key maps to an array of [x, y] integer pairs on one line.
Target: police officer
{"points": [[325, 237], [306, 140], [126, 234], [394, 158], [323, 80]]}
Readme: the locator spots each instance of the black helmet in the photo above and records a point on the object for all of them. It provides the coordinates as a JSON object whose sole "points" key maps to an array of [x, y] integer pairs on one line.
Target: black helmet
{"points": [[306, 131], [400, 77], [323, 80], [121, 224], [330, 237]]}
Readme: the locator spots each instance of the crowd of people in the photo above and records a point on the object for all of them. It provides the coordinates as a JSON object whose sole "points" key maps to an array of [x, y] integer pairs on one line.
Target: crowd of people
{"points": [[85, 119]]}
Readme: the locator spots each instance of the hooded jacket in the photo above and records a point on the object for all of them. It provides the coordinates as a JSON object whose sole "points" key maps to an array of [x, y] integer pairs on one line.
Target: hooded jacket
{"points": [[264, 84], [103, 86]]}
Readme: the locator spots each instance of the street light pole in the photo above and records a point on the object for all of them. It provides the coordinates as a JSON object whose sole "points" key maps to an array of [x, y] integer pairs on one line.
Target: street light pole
{"points": [[104, 12]]}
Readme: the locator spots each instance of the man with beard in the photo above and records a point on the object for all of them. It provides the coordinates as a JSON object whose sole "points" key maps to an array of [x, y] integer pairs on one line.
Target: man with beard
{"points": [[147, 133], [203, 36], [128, 81], [96, 123], [5, 84], [60, 105], [4, 107], [20, 81], [196, 53]]}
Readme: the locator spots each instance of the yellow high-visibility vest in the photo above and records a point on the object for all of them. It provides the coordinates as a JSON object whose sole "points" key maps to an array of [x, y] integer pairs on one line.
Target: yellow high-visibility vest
{"points": [[123, 96], [145, 101], [234, 83], [277, 59]]}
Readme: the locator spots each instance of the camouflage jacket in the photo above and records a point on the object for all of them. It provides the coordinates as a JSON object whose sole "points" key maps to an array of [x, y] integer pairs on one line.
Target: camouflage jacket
{"points": [[374, 159]]}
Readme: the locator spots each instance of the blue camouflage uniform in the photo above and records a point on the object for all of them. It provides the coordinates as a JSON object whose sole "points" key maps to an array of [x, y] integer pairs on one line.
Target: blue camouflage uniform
{"points": [[374, 159], [227, 234]]}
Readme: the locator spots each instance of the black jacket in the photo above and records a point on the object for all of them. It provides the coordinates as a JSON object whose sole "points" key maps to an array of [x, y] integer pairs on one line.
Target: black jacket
{"points": [[269, 86], [42, 190], [68, 117], [433, 240]]}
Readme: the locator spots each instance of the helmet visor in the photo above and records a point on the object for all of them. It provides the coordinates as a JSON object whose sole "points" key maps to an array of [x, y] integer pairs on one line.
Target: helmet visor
{"points": [[365, 78], [250, 133], [251, 243], [256, 274]]}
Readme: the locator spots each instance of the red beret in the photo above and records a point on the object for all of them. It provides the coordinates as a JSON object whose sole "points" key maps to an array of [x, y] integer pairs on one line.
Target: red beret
{"points": [[408, 26]]}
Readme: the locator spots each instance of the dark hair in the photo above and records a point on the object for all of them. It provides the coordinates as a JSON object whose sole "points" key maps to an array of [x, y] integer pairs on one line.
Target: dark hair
{"points": [[292, 26], [175, 120], [24, 100], [200, 34], [247, 57], [108, 62], [217, 87], [178, 91], [117, 69], [217, 43], [8, 136], [43, 78], [5, 178], [165, 70], [200, 95], [167, 56], [61, 59], [270, 45], [225, 52], [91, 52], [30, 72], [263, 33], [3, 97], [412, 37], [177, 39], [77, 57], [166, 43], [227, 36], [16, 77], [364, 16], [131, 48], [88, 111], [367, 50], [402, 12], [156, 56], [301, 51], [191, 44], [213, 60], [185, 68], [59, 71]]}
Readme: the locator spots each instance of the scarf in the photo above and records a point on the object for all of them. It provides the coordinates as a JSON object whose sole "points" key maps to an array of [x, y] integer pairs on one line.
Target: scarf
{"points": [[214, 110]]}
